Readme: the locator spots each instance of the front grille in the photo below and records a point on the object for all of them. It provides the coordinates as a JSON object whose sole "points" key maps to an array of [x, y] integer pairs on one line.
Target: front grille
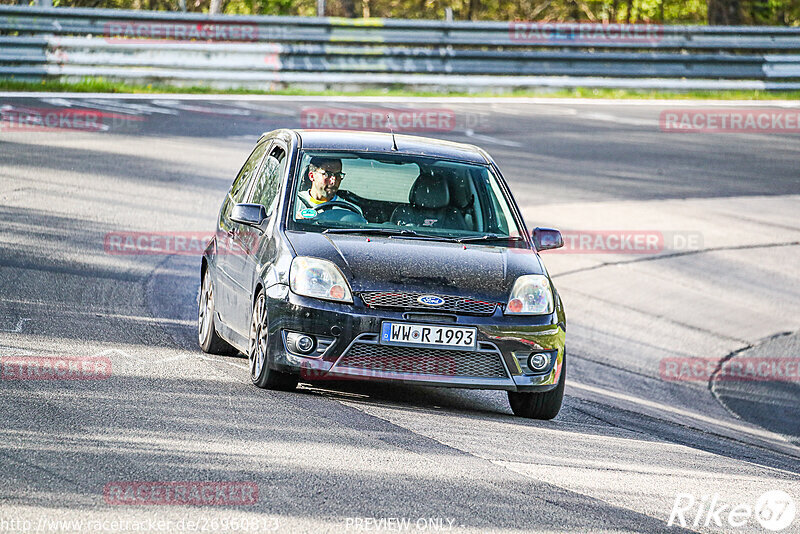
{"points": [[484, 363], [408, 301]]}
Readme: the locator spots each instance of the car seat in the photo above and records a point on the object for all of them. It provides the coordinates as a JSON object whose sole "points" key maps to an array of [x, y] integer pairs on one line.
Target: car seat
{"points": [[429, 206]]}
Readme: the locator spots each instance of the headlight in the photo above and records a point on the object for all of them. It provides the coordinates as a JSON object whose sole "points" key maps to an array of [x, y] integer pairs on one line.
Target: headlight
{"points": [[531, 295], [313, 277]]}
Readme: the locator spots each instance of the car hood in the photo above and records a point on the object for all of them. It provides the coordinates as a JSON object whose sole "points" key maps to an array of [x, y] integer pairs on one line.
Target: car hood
{"points": [[378, 263]]}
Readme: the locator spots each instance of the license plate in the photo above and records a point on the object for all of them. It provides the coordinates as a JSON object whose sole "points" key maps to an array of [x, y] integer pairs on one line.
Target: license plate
{"points": [[428, 335]]}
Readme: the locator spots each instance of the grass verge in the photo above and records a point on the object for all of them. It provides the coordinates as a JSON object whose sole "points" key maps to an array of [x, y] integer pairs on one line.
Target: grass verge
{"points": [[101, 85]]}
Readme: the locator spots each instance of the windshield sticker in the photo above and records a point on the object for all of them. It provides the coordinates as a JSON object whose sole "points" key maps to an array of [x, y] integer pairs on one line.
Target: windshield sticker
{"points": [[429, 222], [308, 213]]}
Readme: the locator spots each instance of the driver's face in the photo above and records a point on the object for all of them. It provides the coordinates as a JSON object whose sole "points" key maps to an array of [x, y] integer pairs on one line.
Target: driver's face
{"points": [[325, 180]]}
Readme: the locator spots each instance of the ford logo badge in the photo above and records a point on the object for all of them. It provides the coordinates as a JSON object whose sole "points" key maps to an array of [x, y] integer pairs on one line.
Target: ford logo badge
{"points": [[430, 300]]}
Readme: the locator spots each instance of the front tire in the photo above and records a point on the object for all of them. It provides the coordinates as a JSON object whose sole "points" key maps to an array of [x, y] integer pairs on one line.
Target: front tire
{"points": [[207, 336], [258, 351], [539, 405]]}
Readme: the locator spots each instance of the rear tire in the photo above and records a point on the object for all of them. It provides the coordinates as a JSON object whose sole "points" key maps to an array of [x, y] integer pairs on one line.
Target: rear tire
{"points": [[539, 405], [207, 336], [258, 352]]}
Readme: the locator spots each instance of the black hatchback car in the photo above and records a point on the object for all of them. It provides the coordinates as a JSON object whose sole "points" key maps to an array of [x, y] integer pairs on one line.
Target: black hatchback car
{"points": [[371, 256]]}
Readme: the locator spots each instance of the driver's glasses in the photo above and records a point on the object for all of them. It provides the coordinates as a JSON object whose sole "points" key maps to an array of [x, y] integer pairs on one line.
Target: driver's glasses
{"points": [[327, 174]]}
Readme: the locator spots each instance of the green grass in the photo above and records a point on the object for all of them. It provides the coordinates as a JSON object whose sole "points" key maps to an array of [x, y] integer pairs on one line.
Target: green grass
{"points": [[100, 85]]}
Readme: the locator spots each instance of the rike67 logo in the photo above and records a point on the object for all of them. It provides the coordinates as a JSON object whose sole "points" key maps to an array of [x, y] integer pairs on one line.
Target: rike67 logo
{"points": [[774, 510]]}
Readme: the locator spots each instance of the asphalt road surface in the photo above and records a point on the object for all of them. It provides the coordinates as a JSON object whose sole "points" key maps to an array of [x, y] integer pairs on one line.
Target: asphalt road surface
{"points": [[641, 444]]}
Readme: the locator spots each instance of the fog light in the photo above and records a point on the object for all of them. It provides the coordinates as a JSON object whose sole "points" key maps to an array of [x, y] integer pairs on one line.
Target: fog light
{"points": [[539, 361], [300, 343], [305, 344]]}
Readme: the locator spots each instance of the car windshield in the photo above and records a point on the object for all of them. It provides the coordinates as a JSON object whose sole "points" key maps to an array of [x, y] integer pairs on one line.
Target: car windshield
{"points": [[402, 195]]}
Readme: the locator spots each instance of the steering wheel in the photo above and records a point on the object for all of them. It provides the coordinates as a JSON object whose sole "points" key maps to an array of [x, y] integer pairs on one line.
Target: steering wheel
{"points": [[339, 204]]}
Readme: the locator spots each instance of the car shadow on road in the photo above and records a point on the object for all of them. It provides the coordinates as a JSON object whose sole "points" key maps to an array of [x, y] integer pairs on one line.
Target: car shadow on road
{"points": [[313, 458]]}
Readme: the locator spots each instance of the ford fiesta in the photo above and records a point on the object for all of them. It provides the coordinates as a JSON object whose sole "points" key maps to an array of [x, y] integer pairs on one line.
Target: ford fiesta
{"points": [[353, 255]]}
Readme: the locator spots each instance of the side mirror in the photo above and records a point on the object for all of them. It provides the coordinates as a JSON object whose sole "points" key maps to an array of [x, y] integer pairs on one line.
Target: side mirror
{"points": [[249, 214], [547, 238]]}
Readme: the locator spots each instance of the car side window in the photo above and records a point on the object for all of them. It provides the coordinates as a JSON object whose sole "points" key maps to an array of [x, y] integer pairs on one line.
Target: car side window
{"points": [[268, 184], [239, 186]]}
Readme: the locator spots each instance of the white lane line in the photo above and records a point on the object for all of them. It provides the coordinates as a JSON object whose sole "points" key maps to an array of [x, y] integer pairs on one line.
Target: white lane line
{"points": [[644, 469], [122, 354], [605, 117], [240, 366], [105, 105], [764, 434], [212, 110], [63, 102], [490, 139], [173, 358], [8, 350], [125, 107], [18, 328], [393, 99]]}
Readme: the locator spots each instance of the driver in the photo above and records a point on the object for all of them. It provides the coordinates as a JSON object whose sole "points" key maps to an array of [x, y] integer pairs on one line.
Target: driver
{"points": [[325, 175]]}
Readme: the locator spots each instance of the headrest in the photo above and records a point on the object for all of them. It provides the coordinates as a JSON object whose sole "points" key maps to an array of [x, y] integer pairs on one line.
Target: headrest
{"points": [[429, 192], [460, 194]]}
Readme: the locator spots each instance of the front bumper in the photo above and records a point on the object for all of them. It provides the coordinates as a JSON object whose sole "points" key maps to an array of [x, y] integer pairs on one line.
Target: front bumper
{"points": [[356, 353]]}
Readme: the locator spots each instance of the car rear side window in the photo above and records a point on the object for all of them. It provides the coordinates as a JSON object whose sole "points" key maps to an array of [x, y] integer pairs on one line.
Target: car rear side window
{"points": [[268, 183], [239, 186]]}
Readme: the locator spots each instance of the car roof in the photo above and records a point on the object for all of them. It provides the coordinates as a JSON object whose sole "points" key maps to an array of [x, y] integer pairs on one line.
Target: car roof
{"points": [[382, 142]]}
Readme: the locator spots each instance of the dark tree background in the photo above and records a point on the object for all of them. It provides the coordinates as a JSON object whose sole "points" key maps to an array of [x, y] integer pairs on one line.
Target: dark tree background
{"points": [[758, 12]]}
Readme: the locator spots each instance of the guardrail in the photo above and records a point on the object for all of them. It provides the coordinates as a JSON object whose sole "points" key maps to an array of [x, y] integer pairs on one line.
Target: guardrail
{"points": [[140, 46]]}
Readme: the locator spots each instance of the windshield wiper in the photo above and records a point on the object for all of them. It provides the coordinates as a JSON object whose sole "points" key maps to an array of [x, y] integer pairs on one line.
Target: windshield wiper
{"points": [[372, 231], [390, 232], [490, 237], [402, 232]]}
